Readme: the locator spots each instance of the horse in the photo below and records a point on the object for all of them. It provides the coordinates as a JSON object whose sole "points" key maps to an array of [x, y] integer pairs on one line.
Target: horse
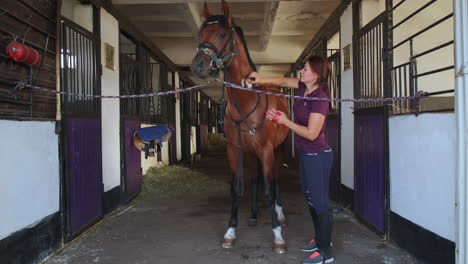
{"points": [[223, 48]]}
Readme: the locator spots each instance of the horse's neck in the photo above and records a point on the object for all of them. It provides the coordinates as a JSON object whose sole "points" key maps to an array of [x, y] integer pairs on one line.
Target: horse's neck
{"points": [[239, 69], [236, 95]]}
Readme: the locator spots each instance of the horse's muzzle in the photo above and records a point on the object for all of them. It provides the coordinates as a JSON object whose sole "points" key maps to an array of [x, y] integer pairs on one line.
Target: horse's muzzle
{"points": [[201, 66]]}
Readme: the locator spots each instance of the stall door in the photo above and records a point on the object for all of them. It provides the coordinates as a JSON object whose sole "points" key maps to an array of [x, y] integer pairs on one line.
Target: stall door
{"points": [[82, 128], [370, 123], [369, 185], [333, 129], [131, 73], [133, 173]]}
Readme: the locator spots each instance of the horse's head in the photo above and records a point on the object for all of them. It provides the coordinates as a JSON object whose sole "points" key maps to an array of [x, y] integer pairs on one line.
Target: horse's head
{"points": [[217, 47]]}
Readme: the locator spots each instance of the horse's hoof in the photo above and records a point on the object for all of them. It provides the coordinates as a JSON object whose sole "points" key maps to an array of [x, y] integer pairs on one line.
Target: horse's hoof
{"points": [[280, 248], [252, 222], [228, 242]]}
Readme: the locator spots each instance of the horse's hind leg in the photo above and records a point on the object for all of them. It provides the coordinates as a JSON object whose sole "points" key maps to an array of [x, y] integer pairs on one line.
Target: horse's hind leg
{"points": [[278, 203], [276, 218], [267, 163], [276, 177]]}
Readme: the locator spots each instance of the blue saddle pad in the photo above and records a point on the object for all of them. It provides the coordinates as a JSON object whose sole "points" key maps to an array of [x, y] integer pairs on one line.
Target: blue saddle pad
{"points": [[152, 132]]}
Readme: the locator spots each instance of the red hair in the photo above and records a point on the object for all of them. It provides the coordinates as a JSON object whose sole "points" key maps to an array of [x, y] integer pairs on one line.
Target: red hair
{"points": [[321, 66]]}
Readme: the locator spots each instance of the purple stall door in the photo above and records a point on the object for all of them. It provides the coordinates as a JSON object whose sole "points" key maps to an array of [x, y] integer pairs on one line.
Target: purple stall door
{"points": [[133, 175], [84, 172], [333, 138], [369, 186]]}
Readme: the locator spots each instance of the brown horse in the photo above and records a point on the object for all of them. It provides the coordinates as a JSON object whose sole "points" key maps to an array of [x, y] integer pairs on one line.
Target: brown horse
{"points": [[222, 47]]}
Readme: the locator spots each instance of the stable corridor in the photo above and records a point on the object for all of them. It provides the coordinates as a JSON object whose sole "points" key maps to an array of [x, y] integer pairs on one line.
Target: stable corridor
{"points": [[189, 229]]}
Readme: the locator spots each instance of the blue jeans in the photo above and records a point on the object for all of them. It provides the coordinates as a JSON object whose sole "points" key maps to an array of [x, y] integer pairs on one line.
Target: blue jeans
{"points": [[315, 169]]}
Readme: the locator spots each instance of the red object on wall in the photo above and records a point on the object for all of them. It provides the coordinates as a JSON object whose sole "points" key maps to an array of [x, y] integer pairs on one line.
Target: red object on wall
{"points": [[22, 53]]}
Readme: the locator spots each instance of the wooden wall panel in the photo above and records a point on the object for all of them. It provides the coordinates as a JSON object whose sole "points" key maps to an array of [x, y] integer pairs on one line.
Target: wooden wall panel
{"points": [[34, 23]]}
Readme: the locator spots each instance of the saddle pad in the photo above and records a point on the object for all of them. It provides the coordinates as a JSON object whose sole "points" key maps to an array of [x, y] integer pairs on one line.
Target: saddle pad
{"points": [[152, 132]]}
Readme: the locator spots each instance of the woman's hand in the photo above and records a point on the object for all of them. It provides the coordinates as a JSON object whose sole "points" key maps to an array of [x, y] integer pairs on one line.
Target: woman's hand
{"points": [[254, 78], [277, 116]]}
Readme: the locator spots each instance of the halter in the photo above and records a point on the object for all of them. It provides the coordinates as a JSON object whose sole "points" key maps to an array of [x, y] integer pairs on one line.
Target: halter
{"points": [[216, 56], [218, 59]]}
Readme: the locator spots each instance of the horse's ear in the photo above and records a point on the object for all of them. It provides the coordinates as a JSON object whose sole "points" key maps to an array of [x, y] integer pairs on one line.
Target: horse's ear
{"points": [[206, 11], [225, 10]]}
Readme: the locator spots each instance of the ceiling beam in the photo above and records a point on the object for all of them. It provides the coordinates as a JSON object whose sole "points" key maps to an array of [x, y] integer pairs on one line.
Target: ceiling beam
{"points": [[131, 29], [192, 18], [268, 20], [156, 18], [140, 2], [168, 34], [187, 34], [329, 27], [280, 64]]}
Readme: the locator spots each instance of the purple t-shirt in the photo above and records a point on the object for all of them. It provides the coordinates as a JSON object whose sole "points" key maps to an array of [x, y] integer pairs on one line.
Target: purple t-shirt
{"points": [[302, 109]]}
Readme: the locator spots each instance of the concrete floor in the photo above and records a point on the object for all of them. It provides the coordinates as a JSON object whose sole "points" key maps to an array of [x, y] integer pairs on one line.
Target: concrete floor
{"points": [[189, 229]]}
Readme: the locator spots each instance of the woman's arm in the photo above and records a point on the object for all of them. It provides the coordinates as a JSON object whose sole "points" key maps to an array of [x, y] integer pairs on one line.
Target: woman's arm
{"points": [[310, 132], [255, 78]]}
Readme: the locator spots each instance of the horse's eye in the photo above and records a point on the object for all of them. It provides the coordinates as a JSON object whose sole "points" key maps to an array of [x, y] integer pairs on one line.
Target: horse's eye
{"points": [[222, 35]]}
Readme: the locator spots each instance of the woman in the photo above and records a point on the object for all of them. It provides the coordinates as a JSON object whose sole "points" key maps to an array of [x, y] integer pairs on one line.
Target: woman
{"points": [[314, 154]]}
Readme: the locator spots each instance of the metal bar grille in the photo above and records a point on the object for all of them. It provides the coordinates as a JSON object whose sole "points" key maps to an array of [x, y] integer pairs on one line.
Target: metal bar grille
{"points": [[405, 77], [142, 73], [128, 75], [334, 81], [370, 70], [79, 69], [413, 14], [423, 30], [401, 80]]}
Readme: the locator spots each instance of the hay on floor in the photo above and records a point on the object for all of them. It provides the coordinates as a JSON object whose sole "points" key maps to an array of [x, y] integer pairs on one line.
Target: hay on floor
{"points": [[216, 142], [174, 180]]}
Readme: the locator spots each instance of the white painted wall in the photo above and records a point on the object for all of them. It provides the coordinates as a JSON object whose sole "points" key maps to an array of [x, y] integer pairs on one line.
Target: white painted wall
{"points": [[78, 13], [370, 9], [193, 140], [422, 171], [334, 41], [347, 117], [178, 125], [30, 179], [153, 161], [110, 107]]}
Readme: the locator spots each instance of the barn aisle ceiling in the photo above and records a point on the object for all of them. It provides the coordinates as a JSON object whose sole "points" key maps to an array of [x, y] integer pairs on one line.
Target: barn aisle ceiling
{"points": [[276, 31]]}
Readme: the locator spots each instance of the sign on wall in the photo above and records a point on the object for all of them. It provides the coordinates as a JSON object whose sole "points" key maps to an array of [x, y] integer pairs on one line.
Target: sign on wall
{"points": [[109, 52], [347, 57]]}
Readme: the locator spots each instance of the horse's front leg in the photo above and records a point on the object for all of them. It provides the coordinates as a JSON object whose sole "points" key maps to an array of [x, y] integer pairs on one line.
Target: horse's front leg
{"points": [[230, 235], [256, 181], [268, 160]]}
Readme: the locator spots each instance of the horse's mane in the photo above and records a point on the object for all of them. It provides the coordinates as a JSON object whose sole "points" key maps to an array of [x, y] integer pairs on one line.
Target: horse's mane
{"points": [[222, 21], [241, 36]]}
